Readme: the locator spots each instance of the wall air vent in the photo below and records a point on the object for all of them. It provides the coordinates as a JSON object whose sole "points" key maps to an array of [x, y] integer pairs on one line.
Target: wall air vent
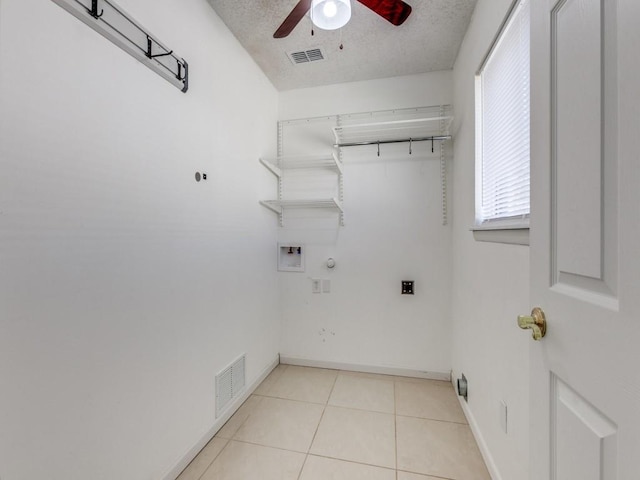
{"points": [[306, 56], [229, 383]]}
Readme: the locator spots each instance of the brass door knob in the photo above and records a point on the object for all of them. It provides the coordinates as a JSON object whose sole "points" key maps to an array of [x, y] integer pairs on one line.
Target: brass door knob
{"points": [[536, 322]]}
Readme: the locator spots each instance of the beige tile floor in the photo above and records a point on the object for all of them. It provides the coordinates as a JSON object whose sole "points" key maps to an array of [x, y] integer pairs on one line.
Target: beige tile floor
{"points": [[315, 424]]}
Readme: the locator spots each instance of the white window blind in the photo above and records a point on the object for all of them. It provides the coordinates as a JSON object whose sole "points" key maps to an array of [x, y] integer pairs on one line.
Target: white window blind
{"points": [[502, 89]]}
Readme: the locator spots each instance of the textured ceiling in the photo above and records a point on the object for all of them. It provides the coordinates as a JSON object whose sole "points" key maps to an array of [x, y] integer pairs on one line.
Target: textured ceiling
{"points": [[373, 48]]}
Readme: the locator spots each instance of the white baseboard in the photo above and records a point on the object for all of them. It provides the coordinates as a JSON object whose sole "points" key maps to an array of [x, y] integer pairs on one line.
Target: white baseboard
{"points": [[482, 444], [401, 372], [186, 459]]}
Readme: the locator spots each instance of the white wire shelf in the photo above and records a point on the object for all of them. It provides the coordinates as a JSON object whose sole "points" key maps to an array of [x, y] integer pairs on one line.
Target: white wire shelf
{"points": [[277, 165], [395, 126], [279, 205]]}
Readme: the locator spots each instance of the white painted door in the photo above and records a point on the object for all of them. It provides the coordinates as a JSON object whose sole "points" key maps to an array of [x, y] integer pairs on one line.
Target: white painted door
{"points": [[585, 239]]}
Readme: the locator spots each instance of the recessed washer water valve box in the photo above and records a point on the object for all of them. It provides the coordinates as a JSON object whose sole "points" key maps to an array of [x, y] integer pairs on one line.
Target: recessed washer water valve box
{"points": [[291, 257], [407, 287]]}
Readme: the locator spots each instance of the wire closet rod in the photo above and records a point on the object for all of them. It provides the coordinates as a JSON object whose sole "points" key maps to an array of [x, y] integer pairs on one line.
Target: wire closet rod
{"points": [[403, 140]]}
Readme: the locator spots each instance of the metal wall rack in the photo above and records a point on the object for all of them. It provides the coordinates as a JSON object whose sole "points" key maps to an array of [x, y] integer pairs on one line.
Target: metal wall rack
{"points": [[279, 165], [113, 23], [421, 124], [432, 125]]}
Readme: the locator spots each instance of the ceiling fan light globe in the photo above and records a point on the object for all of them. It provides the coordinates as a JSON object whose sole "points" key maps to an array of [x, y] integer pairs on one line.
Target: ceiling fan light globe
{"points": [[330, 14], [330, 9]]}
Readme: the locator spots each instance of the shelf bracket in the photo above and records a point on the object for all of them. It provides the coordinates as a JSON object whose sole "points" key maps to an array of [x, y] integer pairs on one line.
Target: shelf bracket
{"points": [[271, 207], [271, 167]]}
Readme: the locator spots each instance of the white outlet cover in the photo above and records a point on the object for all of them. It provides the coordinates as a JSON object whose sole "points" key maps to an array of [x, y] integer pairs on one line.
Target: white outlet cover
{"points": [[316, 285], [326, 286]]}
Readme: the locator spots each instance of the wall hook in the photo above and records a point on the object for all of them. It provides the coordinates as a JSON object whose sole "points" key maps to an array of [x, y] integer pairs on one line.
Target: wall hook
{"points": [[150, 47], [94, 10], [431, 144], [106, 18], [378, 148], [183, 66], [410, 146]]}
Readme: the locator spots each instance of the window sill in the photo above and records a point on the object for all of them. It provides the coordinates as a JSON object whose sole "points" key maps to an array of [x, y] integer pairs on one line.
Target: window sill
{"points": [[512, 234]]}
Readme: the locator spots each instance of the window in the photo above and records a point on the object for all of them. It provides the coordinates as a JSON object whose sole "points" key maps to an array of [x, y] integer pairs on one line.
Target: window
{"points": [[502, 127]]}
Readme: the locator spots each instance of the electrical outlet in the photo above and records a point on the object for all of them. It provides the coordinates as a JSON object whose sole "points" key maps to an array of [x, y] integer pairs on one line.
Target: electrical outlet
{"points": [[407, 287], [326, 286], [316, 285]]}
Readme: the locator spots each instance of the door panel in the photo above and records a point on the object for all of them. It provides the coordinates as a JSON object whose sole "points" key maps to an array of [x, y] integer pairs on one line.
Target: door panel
{"points": [[584, 153], [583, 439], [585, 239], [577, 156]]}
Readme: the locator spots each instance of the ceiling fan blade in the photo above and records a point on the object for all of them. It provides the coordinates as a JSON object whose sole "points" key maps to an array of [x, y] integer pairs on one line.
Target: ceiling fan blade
{"points": [[394, 11], [299, 11]]}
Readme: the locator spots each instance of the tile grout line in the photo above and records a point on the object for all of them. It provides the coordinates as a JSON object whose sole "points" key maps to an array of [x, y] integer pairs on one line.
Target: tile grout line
{"points": [[268, 446], [324, 409], [345, 373], [306, 457], [426, 474], [395, 425], [355, 409], [244, 421], [354, 462], [289, 399], [266, 395], [387, 414], [307, 454], [360, 410], [228, 441], [434, 420], [275, 381]]}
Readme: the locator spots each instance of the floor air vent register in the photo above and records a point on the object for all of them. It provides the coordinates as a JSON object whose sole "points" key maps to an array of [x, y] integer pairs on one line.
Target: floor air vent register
{"points": [[229, 383]]}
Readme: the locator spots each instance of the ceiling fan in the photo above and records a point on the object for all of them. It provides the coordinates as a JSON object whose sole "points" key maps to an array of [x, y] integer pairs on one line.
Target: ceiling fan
{"points": [[394, 11]]}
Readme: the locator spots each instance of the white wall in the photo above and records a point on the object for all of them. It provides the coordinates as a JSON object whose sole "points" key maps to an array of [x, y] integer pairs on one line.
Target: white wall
{"points": [[490, 282], [393, 231], [384, 94], [125, 285]]}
